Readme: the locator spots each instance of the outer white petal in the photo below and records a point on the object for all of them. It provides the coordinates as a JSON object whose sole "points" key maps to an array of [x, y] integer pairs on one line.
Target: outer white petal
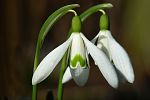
{"points": [[67, 76], [80, 75], [103, 63], [49, 62], [121, 59]]}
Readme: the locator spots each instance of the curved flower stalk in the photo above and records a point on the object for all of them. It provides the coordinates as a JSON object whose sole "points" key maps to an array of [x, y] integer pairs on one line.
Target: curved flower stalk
{"points": [[78, 46], [115, 52]]}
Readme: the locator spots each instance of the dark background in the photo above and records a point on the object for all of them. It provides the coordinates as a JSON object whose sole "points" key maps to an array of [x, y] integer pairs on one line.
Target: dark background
{"points": [[20, 22]]}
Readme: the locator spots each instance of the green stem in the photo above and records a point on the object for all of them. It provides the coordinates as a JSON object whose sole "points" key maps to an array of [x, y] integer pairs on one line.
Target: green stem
{"points": [[34, 92], [36, 62], [62, 70]]}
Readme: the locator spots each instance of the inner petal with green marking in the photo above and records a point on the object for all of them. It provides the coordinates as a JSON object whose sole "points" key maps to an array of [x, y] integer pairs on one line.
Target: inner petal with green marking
{"points": [[77, 52]]}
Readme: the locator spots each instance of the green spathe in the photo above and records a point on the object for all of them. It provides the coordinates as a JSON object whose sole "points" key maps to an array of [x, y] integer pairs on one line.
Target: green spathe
{"points": [[78, 58], [76, 24]]}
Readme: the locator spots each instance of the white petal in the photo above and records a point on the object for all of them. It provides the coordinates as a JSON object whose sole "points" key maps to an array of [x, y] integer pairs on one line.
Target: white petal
{"points": [[77, 46], [80, 75], [87, 59], [49, 62], [67, 76], [103, 63], [121, 60], [102, 42], [95, 39]]}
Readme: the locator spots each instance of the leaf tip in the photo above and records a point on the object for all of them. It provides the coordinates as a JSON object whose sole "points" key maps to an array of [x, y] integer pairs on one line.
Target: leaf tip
{"points": [[109, 5], [76, 5]]}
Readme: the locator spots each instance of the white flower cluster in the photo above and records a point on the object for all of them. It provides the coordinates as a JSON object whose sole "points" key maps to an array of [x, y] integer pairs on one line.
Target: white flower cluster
{"points": [[108, 55]]}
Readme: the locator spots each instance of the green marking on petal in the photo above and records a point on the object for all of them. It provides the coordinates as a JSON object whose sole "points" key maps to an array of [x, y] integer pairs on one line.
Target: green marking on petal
{"points": [[76, 59]]}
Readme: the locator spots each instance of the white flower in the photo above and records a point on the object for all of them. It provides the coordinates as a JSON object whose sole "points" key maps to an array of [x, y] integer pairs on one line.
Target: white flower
{"points": [[78, 68], [116, 53]]}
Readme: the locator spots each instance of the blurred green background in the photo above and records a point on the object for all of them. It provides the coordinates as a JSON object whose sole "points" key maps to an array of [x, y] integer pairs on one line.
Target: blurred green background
{"points": [[20, 22]]}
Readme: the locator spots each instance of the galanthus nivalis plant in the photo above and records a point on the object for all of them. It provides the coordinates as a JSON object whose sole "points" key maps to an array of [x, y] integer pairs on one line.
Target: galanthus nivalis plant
{"points": [[78, 46], [115, 52], [107, 54]]}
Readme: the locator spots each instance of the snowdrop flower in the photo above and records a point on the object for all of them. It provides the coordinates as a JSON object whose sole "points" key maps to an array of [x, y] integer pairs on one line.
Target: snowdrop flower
{"points": [[78, 65], [115, 52]]}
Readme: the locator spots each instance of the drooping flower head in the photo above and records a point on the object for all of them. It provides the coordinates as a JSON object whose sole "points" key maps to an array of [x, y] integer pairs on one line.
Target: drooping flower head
{"points": [[115, 52], [78, 47]]}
